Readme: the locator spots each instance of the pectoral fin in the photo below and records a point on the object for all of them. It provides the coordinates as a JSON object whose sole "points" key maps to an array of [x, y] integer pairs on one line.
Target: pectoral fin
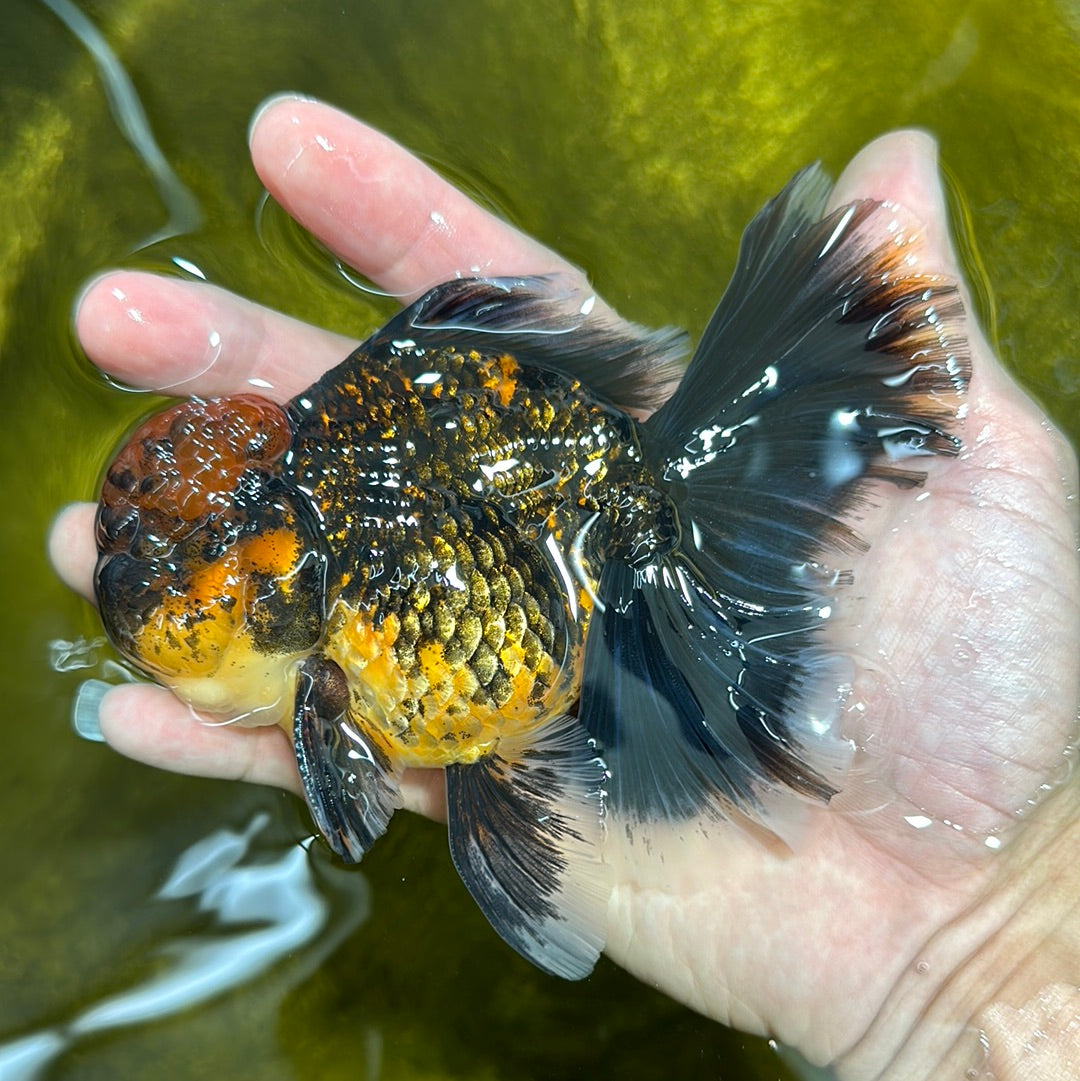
{"points": [[349, 783], [525, 833]]}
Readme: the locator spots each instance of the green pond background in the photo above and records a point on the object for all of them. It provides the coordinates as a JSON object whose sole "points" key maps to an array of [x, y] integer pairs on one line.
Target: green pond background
{"points": [[636, 137]]}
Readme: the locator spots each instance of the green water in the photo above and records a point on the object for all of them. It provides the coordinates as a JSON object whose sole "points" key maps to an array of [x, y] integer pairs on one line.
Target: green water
{"points": [[638, 139]]}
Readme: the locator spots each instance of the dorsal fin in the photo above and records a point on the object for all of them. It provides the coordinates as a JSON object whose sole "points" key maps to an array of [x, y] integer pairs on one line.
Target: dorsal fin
{"points": [[548, 322]]}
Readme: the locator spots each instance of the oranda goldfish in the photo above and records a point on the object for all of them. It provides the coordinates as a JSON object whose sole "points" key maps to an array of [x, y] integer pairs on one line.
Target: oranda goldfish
{"points": [[461, 549]]}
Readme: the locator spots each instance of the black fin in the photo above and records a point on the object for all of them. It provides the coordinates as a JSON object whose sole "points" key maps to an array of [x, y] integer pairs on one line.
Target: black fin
{"points": [[823, 317], [525, 835], [348, 781], [832, 356], [695, 706], [548, 322]]}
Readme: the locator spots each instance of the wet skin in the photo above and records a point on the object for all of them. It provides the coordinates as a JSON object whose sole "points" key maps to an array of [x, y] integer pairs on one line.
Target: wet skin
{"points": [[964, 722]]}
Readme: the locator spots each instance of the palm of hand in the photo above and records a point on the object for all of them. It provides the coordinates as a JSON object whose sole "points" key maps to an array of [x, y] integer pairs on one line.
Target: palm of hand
{"points": [[962, 621]]}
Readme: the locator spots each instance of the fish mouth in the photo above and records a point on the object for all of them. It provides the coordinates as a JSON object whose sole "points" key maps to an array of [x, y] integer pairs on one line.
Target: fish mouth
{"points": [[211, 569]]}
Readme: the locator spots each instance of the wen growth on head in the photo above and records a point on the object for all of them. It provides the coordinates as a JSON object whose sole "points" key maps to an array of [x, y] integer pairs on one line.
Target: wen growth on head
{"points": [[458, 549]]}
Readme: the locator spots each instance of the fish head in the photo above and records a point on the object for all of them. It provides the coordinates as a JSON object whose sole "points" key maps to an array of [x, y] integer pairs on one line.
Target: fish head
{"points": [[211, 572]]}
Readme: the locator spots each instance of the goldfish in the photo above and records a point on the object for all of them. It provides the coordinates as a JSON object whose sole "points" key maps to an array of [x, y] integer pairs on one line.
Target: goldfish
{"points": [[464, 549]]}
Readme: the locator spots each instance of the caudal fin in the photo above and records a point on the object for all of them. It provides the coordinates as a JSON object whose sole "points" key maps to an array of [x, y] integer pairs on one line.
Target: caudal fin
{"points": [[835, 358]]}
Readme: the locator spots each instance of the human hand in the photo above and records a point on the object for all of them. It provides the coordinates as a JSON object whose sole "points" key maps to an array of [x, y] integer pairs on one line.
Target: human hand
{"points": [[964, 703]]}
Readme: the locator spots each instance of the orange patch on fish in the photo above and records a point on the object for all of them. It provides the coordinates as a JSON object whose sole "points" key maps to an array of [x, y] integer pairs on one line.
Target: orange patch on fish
{"points": [[502, 379], [190, 630]]}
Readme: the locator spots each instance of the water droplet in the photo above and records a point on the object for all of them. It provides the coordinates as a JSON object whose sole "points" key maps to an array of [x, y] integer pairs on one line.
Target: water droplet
{"points": [[189, 267], [964, 655]]}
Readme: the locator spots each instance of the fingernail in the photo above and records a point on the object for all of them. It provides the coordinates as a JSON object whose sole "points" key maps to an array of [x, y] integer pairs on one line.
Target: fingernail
{"points": [[270, 102], [86, 709]]}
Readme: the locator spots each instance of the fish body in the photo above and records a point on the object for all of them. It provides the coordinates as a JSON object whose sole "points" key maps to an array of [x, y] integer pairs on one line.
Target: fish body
{"points": [[462, 549], [470, 484]]}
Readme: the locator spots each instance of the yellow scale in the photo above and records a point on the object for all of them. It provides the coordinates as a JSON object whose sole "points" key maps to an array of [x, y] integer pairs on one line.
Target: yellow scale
{"points": [[429, 717]]}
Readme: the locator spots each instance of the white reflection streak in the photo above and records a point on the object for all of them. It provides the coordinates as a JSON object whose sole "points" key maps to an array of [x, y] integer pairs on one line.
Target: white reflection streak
{"points": [[279, 893], [185, 216], [280, 896], [211, 967]]}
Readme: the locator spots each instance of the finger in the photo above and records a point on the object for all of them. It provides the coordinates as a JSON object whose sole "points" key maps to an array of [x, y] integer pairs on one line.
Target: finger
{"points": [[71, 547], [902, 167], [381, 209], [148, 724], [190, 338]]}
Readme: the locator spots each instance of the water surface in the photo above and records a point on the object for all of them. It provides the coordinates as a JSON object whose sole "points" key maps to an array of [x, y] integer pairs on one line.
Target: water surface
{"points": [[636, 138]]}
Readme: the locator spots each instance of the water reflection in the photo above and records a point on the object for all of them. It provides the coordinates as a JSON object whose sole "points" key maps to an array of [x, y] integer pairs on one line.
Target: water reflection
{"points": [[267, 913], [87, 653], [185, 215]]}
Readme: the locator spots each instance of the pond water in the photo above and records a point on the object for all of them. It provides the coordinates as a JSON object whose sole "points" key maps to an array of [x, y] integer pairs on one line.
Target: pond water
{"points": [[135, 935]]}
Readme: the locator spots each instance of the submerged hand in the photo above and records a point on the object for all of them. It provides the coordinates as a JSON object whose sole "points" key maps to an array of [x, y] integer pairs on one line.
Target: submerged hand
{"points": [[916, 901]]}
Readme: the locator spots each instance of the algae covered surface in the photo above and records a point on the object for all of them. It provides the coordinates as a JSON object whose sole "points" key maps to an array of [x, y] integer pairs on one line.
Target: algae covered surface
{"points": [[636, 138]]}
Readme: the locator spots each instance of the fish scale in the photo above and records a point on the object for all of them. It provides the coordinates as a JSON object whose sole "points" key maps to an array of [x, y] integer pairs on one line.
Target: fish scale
{"points": [[437, 425]]}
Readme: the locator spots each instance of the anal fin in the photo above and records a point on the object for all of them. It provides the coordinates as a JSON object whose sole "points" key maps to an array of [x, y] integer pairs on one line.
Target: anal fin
{"points": [[525, 835], [350, 786]]}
